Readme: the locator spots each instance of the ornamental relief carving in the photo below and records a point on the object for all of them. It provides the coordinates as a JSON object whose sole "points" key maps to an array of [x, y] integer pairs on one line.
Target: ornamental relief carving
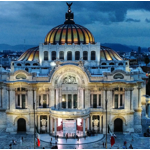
{"points": [[69, 80]]}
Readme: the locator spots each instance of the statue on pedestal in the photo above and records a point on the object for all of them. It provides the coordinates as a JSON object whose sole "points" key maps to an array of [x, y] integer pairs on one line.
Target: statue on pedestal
{"points": [[43, 121]]}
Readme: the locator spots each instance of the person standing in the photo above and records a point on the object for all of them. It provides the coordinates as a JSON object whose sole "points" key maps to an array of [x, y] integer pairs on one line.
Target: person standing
{"points": [[130, 147], [20, 141]]}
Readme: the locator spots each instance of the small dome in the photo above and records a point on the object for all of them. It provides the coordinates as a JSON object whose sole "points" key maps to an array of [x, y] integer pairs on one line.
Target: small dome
{"points": [[69, 34], [31, 54], [108, 54]]}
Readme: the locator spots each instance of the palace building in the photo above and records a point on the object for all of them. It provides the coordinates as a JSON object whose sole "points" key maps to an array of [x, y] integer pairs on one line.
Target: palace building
{"points": [[68, 79]]}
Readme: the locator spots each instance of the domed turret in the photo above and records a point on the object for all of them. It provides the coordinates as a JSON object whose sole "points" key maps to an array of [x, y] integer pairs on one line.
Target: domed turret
{"points": [[69, 32]]}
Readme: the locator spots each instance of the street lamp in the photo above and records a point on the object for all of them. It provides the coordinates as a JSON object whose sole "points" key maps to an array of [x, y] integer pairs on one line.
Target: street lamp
{"points": [[106, 101], [34, 126]]}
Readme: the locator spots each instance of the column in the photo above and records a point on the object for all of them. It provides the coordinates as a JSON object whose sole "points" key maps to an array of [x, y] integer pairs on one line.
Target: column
{"points": [[30, 99], [82, 98], [72, 100], [12, 99], [51, 125], [139, 97], [55, 126], [67, 101], [47, 100], [88, 123], [8, 99], [118, 100], [100, 123], [92, 100], [60, 97], [149, 110], [39, 123], [78, 98], [57, 98], [52, 98], [47, 123], [127, 99], [4, 97], [20, 100], [35, 97], [97, 100], [83, 126], [131, 100], [91, 122]]}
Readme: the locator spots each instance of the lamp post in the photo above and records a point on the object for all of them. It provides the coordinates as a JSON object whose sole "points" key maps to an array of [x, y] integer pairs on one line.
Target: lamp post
{"points": [[34, 126], [106, 122]]}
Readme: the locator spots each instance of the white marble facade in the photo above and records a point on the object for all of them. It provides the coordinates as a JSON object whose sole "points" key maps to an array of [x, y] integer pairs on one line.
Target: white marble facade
{"points": [[72, 89]]}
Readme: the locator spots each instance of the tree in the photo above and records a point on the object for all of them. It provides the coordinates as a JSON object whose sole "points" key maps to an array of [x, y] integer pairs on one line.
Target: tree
{"points": [[146, 60]]}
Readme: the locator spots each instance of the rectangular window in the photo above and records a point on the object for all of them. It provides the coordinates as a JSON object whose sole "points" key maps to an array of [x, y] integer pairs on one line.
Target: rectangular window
{"points": [[121, 102], [63, 101], [99, 99], [44, 97], [23, 101], [94, 100], [40, 100], [18, 100], [69, 100], [116, 101]]}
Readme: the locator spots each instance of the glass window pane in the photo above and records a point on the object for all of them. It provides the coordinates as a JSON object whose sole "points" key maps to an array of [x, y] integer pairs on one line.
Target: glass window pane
{"points": [[44, 97], [53, 55], [45, 55], [99, 99], [77, 55], [92, 55], [75, 101], [23, 101], [63, 101], [40, 100], [61, 55], [85, 55], [18, 100], [94, 100], [69, 55], [121, 104], [116, 101], [69, 100]]}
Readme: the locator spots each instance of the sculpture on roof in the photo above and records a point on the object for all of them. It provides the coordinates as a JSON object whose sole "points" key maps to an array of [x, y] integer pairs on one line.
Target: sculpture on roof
{"points": [[69, 5]]}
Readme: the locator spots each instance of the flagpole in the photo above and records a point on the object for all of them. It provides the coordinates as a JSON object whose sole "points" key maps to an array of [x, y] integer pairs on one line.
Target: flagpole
{"points": [[106, 123]]}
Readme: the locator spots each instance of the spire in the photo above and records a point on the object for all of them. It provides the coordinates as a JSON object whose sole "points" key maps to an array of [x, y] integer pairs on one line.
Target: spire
{"points": [[69, 15]]}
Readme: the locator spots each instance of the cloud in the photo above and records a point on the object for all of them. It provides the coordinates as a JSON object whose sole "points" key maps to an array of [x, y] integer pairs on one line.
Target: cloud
{"points": [[147, 20], [132, 20]]}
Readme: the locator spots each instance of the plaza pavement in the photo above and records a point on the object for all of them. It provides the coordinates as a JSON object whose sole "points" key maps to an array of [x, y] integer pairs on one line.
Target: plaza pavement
{"points": [[28, 143]]}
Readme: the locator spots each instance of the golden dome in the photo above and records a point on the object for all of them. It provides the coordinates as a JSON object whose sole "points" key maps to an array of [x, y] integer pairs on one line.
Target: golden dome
{"points": [[69, 34]]}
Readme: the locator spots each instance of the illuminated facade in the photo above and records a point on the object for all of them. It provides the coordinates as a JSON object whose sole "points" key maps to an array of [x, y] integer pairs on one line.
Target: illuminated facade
{"points": [[69, 77]]}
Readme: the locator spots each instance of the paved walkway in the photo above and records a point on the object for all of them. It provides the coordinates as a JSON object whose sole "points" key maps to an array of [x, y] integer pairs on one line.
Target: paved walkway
{"points": [[63, 141]]}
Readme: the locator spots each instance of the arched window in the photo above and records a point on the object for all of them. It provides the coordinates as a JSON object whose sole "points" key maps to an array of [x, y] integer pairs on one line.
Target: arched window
{"points": [[120, 64], [18, 64], [53, 55], [85, 55], [61, 55], [92, 55], [35, 64], [46, 55], [69, 55], [77, 55], [104, 64], [111, 63], [27, 64]]}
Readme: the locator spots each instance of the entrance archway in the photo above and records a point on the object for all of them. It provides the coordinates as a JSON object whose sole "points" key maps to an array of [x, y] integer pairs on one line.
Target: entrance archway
{"points": [[21, 125], [118, 125]]}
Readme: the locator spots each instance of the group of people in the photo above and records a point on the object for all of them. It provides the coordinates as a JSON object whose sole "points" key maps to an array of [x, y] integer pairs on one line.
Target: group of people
{"points": [[125, 145], [13, 142]]}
